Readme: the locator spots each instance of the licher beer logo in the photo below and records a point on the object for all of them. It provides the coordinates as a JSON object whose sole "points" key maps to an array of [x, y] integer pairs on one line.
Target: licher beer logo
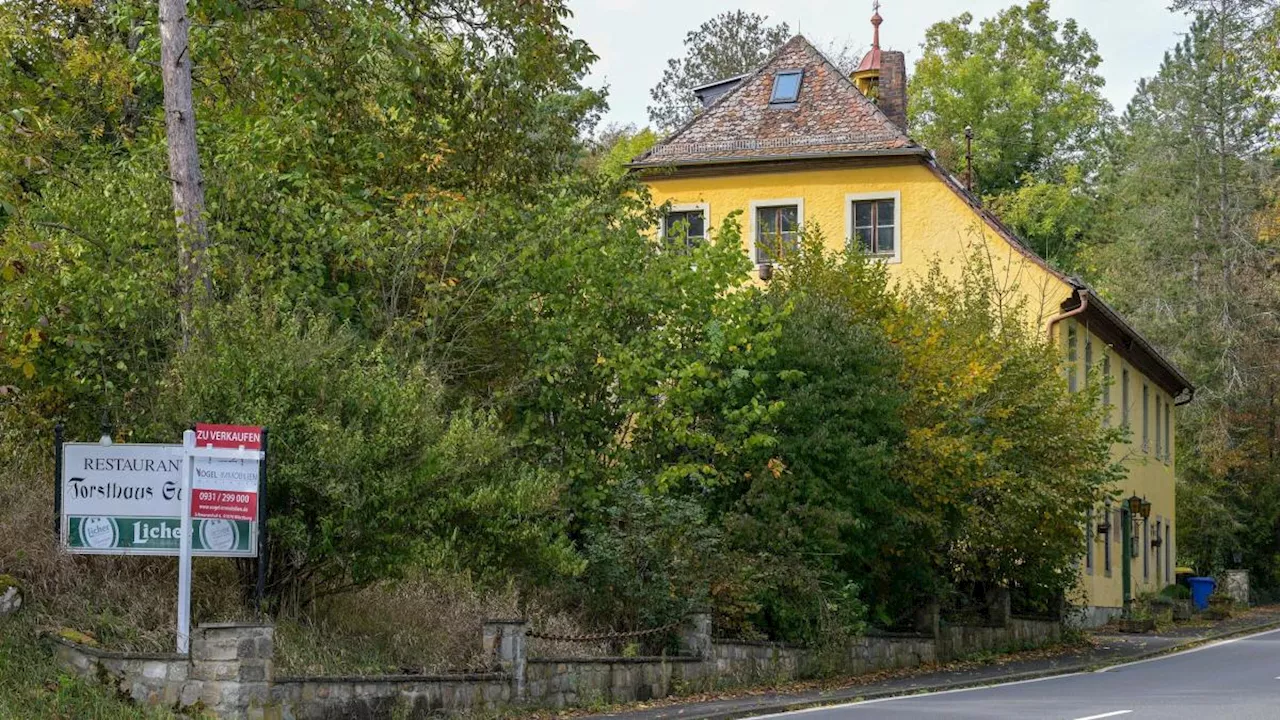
{"points": [[219, 535], [99, 533]]}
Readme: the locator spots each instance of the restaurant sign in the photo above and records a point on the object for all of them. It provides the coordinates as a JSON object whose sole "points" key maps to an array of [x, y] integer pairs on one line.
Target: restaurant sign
{"points": [[127, 500]]}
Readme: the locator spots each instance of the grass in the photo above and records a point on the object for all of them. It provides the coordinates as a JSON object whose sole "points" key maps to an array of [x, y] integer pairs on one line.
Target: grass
{"points": [[32, 685]]}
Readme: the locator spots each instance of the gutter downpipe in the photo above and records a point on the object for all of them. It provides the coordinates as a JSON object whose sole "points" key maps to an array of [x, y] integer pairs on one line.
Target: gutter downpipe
{"points": [[1084, 305]]}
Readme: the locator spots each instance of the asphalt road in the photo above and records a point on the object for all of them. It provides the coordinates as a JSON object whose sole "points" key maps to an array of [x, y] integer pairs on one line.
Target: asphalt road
{"points": [[1236, 679]]}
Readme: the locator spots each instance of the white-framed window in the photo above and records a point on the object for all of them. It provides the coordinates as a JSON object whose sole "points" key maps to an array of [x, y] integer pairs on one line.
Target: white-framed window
{"points": [[1159, 434], [686, 224], [873, 224], [1106, 388], [1146, 417], [1168, 432], [1168, 551], [1088, 356], [775, 229], [1124, 397], [1073, 354]]}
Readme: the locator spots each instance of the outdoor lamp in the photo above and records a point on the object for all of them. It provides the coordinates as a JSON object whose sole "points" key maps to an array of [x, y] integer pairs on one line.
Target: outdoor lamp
{"points": [[1135, 506], [1146, 509]]}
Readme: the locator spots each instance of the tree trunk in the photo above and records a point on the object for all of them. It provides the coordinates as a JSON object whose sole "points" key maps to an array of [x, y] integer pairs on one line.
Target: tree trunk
{"points": [[194, 285]]}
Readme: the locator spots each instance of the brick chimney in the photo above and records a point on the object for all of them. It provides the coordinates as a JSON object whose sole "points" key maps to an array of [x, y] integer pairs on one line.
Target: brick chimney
{"points": [[892, 97]]}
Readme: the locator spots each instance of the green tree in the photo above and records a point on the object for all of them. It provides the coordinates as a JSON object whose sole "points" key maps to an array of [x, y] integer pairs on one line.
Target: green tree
{"points": [[729, 44], [615, 146], [1027, 84], [1188, 258], [1001, 459]]}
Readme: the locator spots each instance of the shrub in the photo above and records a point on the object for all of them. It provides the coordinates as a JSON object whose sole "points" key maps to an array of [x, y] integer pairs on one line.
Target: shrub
{"points": [[369, 475]]}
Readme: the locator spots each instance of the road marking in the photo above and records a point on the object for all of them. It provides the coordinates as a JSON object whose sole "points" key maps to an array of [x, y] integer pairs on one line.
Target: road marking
{"points": [[1106, 715], [911, 696], [1211, 645]]}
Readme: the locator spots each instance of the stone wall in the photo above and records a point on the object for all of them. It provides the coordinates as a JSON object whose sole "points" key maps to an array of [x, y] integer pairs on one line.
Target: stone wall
{"points": [[568, 682], [229, 671], [957, 641], [385, 696]]}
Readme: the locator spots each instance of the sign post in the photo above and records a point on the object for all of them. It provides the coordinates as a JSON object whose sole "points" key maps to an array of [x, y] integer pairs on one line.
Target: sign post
{"points": [[261, 587], [184, 545]]}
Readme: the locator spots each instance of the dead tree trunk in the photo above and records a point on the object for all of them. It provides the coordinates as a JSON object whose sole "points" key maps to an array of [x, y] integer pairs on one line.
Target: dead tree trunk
{"points": [[194, 286]]}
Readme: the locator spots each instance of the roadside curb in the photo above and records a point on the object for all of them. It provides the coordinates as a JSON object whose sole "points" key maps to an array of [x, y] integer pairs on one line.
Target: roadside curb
{"points": [[792, 706]]}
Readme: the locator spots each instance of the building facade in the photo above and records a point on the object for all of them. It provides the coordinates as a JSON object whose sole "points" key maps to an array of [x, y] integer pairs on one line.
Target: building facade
{"points": [[799, 144]]}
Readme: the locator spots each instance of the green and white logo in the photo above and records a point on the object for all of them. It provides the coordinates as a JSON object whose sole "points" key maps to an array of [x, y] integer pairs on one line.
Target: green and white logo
{"points": [[99, 533]]}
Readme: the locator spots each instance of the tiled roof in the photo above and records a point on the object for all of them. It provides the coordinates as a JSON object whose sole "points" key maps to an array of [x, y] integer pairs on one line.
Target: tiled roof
{"points": [[830, 117]]}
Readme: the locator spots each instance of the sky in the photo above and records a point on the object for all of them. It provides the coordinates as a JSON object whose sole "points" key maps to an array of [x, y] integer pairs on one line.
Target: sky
{"points": [[634, 38]]}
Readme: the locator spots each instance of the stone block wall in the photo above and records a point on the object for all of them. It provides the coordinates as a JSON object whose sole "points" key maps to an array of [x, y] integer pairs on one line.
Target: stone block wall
{"points": [[957, 641], [386, 696], [227, 673], [568, 682], [230, 673]]}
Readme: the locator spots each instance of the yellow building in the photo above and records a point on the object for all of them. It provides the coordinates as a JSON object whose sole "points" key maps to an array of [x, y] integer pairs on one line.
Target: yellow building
{"points": [[799, 144]]}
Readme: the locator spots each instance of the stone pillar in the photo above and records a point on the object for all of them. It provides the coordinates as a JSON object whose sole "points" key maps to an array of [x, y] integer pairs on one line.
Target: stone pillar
{"points": [[1238, 586], [505, 643], [231, 667], [998, 606], [928, 619], [695, 635]]}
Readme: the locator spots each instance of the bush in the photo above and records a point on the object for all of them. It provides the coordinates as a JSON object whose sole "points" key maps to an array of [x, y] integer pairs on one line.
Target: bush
{"points": [[1176, 592], [369, 475], [1001, 459]]}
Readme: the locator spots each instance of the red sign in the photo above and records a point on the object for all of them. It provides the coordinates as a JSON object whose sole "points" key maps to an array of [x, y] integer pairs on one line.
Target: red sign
{"points": [[224, 505], [229, 436]]}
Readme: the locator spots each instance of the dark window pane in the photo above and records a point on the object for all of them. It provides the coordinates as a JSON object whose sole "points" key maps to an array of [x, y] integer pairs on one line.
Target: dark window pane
{"points": [[786, 87], [862, 214], [884, 213], [788, 218], [697, 224], [884, 241], [862, 238], [674, 221], [767, 220]]}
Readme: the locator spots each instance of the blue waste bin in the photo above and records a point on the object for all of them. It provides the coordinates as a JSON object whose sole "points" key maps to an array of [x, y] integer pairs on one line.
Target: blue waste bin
{"points": [[1201, 589]]}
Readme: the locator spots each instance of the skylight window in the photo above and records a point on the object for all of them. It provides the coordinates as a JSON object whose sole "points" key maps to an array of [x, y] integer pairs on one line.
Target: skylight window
{"points": [[786, 86]]}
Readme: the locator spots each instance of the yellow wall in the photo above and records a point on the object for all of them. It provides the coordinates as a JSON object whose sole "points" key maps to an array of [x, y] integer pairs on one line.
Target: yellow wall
{"points": [[936, 224], [1150, 469]]}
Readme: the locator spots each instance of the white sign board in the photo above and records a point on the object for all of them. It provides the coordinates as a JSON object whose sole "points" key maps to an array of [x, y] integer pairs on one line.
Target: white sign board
{"points": [[127, 500]]}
